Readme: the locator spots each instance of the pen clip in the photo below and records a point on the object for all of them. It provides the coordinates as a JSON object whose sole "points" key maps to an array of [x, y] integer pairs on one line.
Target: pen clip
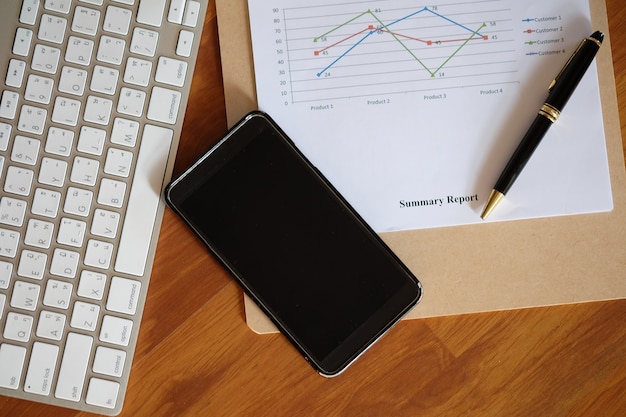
{"points": [[553, 83]]}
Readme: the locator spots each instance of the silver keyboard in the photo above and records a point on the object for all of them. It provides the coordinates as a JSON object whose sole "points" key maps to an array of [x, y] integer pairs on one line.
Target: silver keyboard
{"points": [[93, 94]]}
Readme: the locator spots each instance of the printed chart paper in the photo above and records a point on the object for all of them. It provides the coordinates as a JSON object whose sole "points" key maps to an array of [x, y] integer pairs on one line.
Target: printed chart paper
{"points": [[412, 109]]}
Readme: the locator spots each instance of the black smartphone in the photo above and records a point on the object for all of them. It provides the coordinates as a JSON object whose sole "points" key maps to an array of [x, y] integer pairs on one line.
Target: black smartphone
{"points": [[299, 250]]}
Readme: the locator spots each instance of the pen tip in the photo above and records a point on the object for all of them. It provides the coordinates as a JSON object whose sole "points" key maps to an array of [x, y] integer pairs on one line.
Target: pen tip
{"points": [[492, 202]]}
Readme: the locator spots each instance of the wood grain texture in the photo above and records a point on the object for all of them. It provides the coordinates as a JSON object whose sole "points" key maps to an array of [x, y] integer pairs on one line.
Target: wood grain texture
{"points": [[197, 357]]}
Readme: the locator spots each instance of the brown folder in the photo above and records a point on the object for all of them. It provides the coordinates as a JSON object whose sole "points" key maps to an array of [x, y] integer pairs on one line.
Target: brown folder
{"points": [[491, 266]]}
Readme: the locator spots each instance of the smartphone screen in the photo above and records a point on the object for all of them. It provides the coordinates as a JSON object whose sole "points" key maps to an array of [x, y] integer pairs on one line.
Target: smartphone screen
{"points": [[294, 244]]}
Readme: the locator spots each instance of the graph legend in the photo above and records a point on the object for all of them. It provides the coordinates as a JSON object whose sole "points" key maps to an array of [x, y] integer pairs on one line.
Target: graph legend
{"points": [[544, 35]]}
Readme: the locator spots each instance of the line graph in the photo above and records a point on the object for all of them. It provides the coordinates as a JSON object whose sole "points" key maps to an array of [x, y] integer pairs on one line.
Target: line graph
{"points": [[385, 28], [412, 100], [367, 48]]}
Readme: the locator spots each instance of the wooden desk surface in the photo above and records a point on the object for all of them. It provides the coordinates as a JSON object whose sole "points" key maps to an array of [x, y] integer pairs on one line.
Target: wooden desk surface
{"points": [[197, 357]]}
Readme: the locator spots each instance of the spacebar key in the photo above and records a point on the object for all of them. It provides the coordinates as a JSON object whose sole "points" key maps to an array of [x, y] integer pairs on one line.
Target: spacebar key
{"points": [[143, 202]]}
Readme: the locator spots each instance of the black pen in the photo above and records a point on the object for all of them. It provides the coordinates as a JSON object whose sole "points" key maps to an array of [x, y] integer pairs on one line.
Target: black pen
{"points": [[560, 91]]}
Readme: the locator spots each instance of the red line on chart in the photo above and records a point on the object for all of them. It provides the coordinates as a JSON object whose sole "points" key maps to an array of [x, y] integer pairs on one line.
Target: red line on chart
{"points": [[400, 35], [431, 42]]}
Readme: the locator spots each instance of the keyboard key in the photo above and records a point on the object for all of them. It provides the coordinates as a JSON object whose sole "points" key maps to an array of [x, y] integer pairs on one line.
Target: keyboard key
{"points": [[61, 6], [46, 59], [39, 233], [18, 327], [28, 13], [118, 162], [22, 41], [9, 240], [32, 265], [171, 71], [131, 102], [64, 263], [52, 172], [46, 202], [52, 28], [79, 50], [143, 201], [11, 362], [71, 232], [85, 316], [72, 81], [112, 193], [109, 361], [102, 393], [104, 80], [185, 43], [58, 294], [12, 211], [116, 330], [41, 368], [59, 141], [98, 254], [125, 132], [25, 150], [98, 110], [176, 11], [91, 285], [8, 104], [51, 325], [66, 111], [105, 223], [117, 20], [86, 20], [192, 12], [123, 295], [18, 180], [78, 201], [111, 50], [73, 367], [85, 171], [137, 71], [32, 119], [151, 12], [91, 140], [25, 297], [15, 73], [164, 105], [144, 42], [6, 268], [5, 134], [39, 89]]}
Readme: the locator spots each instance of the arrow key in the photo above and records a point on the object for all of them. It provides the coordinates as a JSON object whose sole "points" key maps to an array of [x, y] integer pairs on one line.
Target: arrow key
{"points": [[185, 43]]}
